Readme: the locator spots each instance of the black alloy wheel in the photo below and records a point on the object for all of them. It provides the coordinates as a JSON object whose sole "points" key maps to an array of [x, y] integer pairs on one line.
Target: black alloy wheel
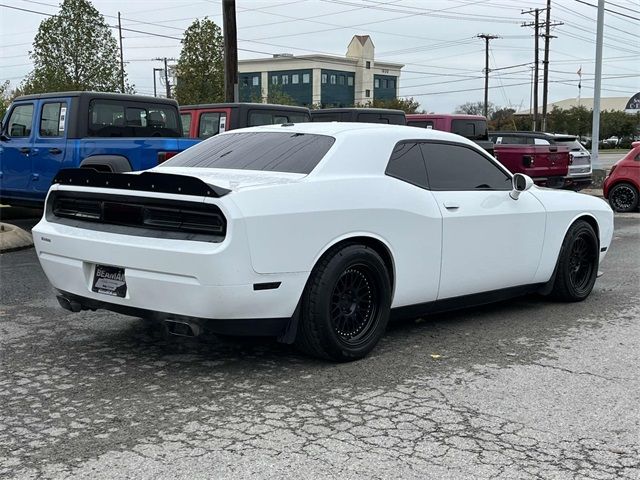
{"points": [[354, 305], [577, 266], [581, 261], [623, 198], [345, 305]]}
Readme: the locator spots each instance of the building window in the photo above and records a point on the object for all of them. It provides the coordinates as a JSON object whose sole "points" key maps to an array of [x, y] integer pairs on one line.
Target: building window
{"points": [[295, 78], [376, 83], [274, 80], [305, 78], [324, 78], [385, 83], [245, 82], [341, 80], [256, 81], [368, 65], [285, 79], [350, 81], [333, 79], [367, 93], [392, 84]]}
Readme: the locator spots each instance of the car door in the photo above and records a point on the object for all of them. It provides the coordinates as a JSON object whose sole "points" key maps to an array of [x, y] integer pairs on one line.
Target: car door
{"points": [[15, 150], [489, 240], [50, 144]]}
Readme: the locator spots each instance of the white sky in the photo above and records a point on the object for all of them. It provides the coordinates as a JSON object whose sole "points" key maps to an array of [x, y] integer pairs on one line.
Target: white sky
{"points": [[435, 39]]}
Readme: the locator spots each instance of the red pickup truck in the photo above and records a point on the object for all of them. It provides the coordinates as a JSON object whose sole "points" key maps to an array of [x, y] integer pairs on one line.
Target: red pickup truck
{"points": [[548, 166], [473, 127]]}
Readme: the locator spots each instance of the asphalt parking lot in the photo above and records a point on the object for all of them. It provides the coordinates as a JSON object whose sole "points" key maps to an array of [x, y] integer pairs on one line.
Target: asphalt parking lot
{"points": [[523, 389]]}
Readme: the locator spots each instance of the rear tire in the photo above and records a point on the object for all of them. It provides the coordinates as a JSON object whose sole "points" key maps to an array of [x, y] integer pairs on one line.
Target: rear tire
{"points": [[345, 305], [577, 264], [623, 198]]}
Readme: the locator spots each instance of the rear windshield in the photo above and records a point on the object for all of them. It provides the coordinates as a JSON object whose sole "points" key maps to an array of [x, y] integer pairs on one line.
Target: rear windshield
{"points": [[112, 118], [573, 144], [471, 129], [269, 151]]}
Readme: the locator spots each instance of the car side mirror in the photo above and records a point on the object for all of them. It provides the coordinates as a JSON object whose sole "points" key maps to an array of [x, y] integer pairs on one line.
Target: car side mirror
{"points": [[521, 183]]}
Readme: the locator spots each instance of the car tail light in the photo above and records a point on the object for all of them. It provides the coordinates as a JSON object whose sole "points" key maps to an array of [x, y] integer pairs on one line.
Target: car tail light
{"points": [[570, 159], [164, 156]]}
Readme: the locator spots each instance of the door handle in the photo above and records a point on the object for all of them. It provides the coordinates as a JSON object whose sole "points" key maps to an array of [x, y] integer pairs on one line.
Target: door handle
{"points": [[449, 205], [25, 150], [35, 177], [55, 151]]}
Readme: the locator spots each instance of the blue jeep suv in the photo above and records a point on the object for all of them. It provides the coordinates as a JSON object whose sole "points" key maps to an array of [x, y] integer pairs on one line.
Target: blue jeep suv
{"points": [[41, 134]]}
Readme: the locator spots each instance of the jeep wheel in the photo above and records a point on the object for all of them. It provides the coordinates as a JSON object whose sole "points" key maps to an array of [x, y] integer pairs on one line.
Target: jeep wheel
{"points": [[346, 304]]}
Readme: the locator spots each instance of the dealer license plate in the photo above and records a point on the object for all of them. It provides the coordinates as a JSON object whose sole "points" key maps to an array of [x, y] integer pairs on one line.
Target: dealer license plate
{"points": [[109, 281]]}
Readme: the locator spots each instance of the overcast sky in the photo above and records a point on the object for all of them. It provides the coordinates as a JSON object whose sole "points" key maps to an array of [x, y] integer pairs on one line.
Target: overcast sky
{"points": [[435, 39]]}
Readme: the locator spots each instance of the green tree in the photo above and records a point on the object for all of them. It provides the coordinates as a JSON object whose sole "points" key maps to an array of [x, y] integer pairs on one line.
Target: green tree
{"points": [[278, 97], [5, 97], [74, 50], [408, 105], [502, 119], [200, 68]]}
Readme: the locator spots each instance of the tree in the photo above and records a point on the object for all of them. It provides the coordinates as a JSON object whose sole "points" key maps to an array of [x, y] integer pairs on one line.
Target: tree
{"points": [[502, 119], [74, 50], [408, 105], [5, 97], [278, 97], [200, 68], [476, 108]]}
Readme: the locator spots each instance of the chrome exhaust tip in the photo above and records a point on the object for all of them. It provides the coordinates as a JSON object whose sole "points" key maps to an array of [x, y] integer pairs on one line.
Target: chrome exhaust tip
{"points": [[182, 329]]}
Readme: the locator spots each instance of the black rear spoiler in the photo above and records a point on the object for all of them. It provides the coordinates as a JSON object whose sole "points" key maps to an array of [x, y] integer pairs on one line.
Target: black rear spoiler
{"points": [[145, 181]]}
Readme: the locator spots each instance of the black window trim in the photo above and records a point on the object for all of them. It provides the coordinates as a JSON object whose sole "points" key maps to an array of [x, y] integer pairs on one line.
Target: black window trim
{"points": [[492, 160]]}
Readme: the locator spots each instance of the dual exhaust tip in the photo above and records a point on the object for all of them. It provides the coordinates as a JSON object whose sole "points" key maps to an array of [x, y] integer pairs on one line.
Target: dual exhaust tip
{"points": [[179, 328]]}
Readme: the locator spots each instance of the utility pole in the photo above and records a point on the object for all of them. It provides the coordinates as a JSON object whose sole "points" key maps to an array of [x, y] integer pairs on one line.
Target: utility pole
{"points": [[166, 78], [547, 38], [595, 132], [121, 56], [487, 38], [155, 70], [536, 74], [230, 51]]}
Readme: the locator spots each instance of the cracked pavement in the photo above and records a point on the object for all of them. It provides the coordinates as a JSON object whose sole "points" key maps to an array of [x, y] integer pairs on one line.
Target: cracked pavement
{"points": [[523, 389]]}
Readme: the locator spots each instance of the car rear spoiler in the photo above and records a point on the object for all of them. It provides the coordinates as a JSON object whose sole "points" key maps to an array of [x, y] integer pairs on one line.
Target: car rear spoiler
{"points": [[145, 181]]}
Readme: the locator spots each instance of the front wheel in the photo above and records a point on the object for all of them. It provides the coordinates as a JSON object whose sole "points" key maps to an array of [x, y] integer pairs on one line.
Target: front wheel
{"points": [[578, 263], [623, 197], [345, 307]]}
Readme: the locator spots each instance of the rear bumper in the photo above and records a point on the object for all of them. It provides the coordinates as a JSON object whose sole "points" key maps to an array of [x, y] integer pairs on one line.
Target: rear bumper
{"points": [[578, 182], [176, 278], [239, 327]]}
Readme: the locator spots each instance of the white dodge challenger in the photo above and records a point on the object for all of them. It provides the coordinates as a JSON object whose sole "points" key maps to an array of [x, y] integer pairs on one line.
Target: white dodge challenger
{"points": [[316, 233]]}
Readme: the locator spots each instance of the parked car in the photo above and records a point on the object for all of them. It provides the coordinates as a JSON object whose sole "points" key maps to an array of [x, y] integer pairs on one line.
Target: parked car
{"points": [[315, 233], [43, 133], [366, 115], [622, 185], [580, 168], [204, 121], [473, 127], [537, 155]]}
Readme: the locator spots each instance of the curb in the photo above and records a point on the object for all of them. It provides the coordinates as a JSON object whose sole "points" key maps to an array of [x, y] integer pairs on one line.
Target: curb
{"points": [[13, 238]]}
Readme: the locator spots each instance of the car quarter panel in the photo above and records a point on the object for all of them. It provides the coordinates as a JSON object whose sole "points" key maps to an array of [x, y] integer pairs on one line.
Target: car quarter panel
{"points": [[288, 231], [563, 209]]}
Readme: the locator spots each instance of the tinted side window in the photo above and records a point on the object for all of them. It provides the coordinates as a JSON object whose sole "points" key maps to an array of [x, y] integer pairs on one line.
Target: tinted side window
{"points": [[257, 117], [473, 129], [20, 121], [209, 124], [326, 117], [111, 118], [185, 118], [371, 118], [52, 119], [456, 167], [406, 163], [269, 151]]}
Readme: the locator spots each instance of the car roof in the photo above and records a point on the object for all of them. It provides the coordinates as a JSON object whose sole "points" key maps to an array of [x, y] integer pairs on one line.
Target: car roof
{"points": [[351, 129], [109, 96], [453, 116], [359, 110], [257, 106]]}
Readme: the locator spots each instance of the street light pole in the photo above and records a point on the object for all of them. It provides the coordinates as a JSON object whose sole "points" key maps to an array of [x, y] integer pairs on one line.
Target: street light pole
{"points": [[595, 132]]}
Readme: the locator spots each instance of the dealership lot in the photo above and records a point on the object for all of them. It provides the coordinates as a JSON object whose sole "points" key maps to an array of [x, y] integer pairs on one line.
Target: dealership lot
{"points": [[522, 389]]}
